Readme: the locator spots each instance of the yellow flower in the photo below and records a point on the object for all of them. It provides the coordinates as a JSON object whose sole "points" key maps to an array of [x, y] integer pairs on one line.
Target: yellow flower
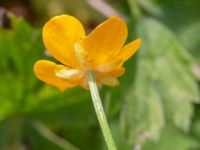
{"points": [[101, 52]]}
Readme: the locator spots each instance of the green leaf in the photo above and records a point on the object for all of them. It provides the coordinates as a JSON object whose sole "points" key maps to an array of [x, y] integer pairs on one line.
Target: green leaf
{"points": [[164, 86], [173, 139], [182, 17], [190, 38], [174, 13]]}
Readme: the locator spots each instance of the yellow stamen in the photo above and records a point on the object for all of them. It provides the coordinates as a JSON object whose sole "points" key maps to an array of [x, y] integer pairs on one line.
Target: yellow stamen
{"points": [[69, 74], [81, 55]]}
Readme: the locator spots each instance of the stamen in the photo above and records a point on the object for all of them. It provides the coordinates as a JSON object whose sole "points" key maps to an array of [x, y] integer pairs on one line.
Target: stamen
{"points": [[81, 55], [69, 74]]}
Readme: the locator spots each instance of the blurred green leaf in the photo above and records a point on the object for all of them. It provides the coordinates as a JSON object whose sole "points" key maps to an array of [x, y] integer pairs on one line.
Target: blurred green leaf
{"points": [[173, 139], [164, 86], [174, 13], [17, 45], [190, 38], [26, 97], [182, 17]]}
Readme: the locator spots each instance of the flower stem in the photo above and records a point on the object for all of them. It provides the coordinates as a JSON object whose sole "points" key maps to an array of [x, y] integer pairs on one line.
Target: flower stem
{"points": [[100, 112]]}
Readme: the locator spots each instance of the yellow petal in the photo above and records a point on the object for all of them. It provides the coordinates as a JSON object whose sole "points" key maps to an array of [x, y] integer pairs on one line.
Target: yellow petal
{"points": [[46, 71], [129, 50], [105, 40], [110, 81], [114, 73], [59, 35], [110, 78], [110, 66]]}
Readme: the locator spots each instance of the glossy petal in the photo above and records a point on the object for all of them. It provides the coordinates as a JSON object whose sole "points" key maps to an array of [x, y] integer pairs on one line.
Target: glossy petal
{"points": [[105, 40], [110, 78], [109, 67], [59, 35], [46, 71], [129, 50], [114, 73], [110, 81]]}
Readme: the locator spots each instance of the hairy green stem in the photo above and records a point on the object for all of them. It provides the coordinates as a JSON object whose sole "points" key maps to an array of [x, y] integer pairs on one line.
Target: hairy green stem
{"points": [[100, 112]]}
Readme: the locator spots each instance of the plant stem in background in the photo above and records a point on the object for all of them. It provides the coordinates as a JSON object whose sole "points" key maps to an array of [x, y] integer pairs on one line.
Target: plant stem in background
{"points": [[13, 135], [100, 112], [45, 132], [135, 10]]}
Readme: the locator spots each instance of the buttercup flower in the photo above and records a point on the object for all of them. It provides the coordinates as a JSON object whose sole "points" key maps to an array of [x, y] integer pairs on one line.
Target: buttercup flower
{"points": [[101, 52]]}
